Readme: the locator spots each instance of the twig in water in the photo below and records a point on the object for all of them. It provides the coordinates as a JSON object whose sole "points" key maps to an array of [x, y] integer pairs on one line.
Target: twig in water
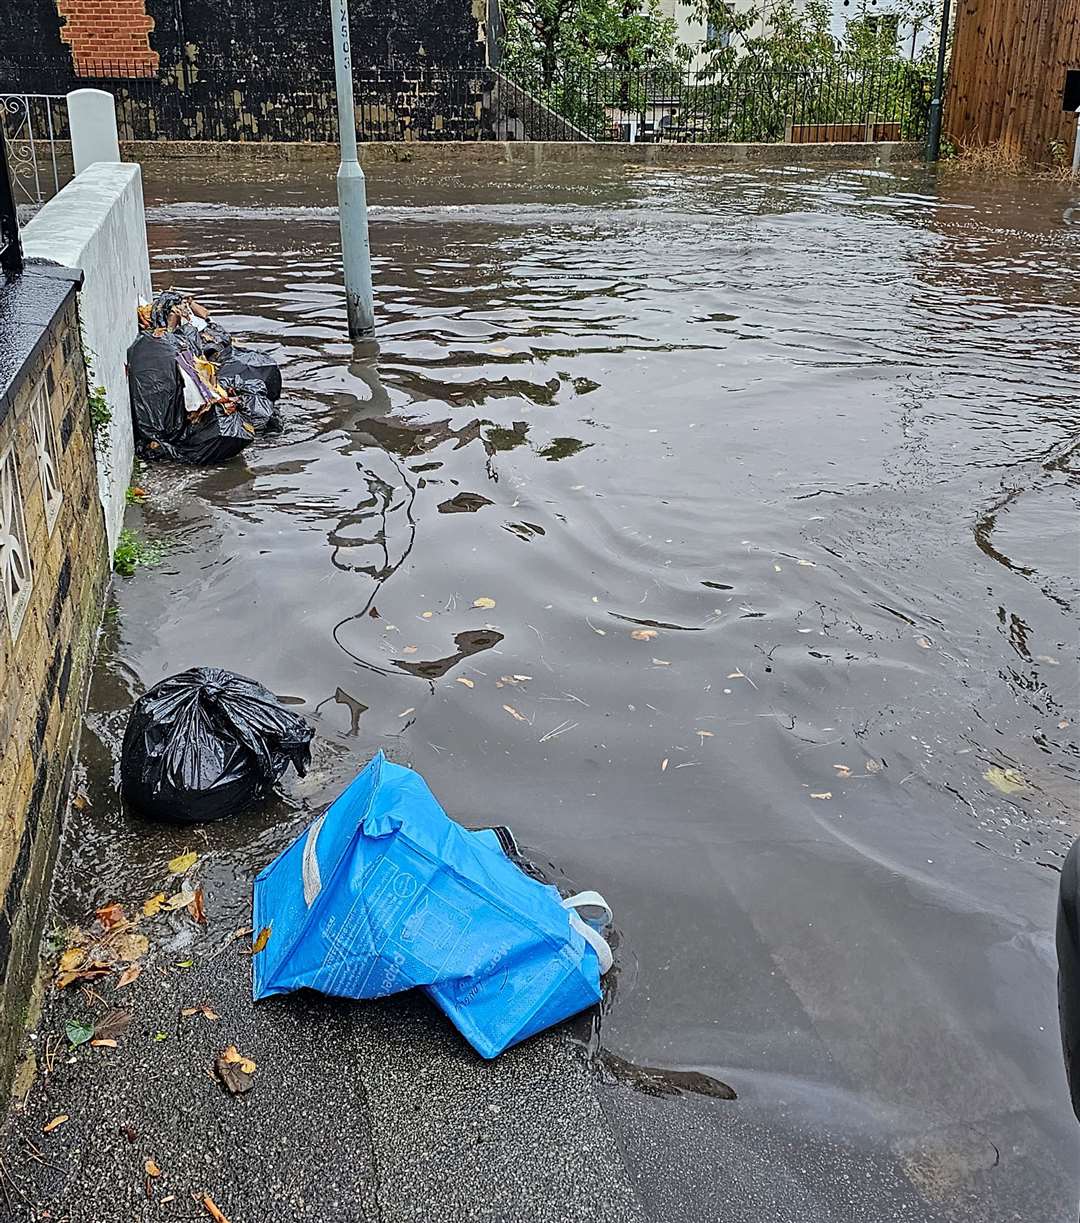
{"points": [[561, 729]]}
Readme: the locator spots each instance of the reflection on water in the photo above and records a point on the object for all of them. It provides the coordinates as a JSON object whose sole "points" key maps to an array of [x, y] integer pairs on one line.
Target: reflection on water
{"points": [[794, 455]]}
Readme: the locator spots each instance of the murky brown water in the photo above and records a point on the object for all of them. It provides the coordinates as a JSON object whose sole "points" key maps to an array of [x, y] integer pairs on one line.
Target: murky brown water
{"points": [[816, 433]]}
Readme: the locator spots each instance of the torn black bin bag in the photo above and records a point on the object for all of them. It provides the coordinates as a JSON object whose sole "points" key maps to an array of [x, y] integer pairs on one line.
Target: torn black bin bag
{"points": [[215, 343], [244, 363], [157, 397], [253, 403], [205, 744], [220, 433]]}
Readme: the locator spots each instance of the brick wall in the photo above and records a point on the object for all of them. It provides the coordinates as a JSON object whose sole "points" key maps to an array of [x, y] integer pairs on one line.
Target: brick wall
{"points": [[115, 31], [48, 620]]}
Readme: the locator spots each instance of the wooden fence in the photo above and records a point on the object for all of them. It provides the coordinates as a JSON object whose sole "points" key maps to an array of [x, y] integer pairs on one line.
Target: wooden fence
{"points": [[1007, 75]]}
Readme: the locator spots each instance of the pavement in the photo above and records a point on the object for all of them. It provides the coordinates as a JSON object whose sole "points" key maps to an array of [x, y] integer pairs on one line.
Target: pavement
{"points": [[358, 1111]]}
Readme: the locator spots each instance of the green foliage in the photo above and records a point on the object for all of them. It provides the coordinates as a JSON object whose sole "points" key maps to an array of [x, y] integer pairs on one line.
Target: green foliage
{"points": [[100, 413], [544, 37], [132, 550]]}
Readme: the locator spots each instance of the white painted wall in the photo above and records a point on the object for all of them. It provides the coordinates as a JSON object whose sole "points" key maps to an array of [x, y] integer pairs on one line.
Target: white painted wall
{"points": [[97, 224]]}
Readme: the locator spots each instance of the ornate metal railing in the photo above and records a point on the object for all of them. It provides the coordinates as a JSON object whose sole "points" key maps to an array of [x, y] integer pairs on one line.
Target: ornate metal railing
{"points": [[34, 124]]}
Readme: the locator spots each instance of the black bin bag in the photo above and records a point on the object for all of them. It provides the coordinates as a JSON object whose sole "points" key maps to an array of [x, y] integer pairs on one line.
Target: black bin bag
{"points": [[245, 363], [205, 744], [157, 397]]}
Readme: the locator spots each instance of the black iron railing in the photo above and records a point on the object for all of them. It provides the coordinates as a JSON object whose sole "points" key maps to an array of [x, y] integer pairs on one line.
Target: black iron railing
{"points": [[10, 245], [421, 101]]}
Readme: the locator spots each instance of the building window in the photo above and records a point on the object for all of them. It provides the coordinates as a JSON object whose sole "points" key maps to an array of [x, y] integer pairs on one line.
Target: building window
{"points": [[15, 569], [47, 455]]}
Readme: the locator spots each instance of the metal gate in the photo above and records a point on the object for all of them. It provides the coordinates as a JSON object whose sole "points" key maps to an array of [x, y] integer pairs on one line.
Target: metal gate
{"points": [[35, 128]]}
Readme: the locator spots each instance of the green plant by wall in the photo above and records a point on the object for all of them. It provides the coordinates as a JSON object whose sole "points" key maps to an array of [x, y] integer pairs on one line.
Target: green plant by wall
{"points": [[132, 550]]}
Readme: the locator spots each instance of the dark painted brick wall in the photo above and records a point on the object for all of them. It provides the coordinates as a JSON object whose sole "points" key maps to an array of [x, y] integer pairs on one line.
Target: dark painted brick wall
{"points": [[277, 36]]}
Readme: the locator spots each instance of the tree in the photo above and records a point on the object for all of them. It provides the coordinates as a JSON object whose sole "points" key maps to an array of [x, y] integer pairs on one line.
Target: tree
{"points": [[544, 37]]}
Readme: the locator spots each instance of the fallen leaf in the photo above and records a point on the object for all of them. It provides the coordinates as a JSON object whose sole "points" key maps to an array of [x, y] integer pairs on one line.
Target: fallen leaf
{"points": [[80, 802], [923, 642], [498, 350], [152, 907], [1008, 781], [78, 1033], [405, 712], [181, 900], [467, 682], [644, 634], [426, 615], [111, 916], [184, 963], [183, 863], [663, 765], [127, 946], [514, 713], [778, 569], [130, 1134], [128, 975], [161, 1036], [842, 770], [410, 649], [1062, 725], [484, 602], [212, 1210], [71, 959], [195, 908], [823, 794], [812, 563], [107, 1043], [114, 1024], [88, 972], [661, 662], [152, 1169], [54, 1124], [705, 734], [235, 1071], [261, 941], [736, 675], [201, 1009], [521, 679], [874, 766]]}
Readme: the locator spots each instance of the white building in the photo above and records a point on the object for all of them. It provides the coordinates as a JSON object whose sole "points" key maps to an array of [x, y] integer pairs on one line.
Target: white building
{"points": [[693, 32]]}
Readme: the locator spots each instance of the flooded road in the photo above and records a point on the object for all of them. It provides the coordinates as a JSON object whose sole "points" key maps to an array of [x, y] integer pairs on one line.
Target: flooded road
{"points": [[773, 478]]}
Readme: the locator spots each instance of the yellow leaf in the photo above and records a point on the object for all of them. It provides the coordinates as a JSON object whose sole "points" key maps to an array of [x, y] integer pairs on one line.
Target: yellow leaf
{"points": [[183, 863], [106, 1042], [54, 1124], [151, 1168], [484, 601], [823, 794], [152, 907], [467, 682], [261, 941], [232, 1057], [778, 568], [514, 713], [643, 634], [128, 975], [427, 615], [71, 959], [1008, 781]]}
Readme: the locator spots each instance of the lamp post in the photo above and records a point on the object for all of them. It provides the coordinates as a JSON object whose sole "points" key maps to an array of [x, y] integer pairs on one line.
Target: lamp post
{"points": [[933, 139], [351, 188]]}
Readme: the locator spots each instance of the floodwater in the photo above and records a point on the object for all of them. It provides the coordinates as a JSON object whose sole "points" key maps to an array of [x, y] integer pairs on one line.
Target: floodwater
{"points": [[773, 478]]}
